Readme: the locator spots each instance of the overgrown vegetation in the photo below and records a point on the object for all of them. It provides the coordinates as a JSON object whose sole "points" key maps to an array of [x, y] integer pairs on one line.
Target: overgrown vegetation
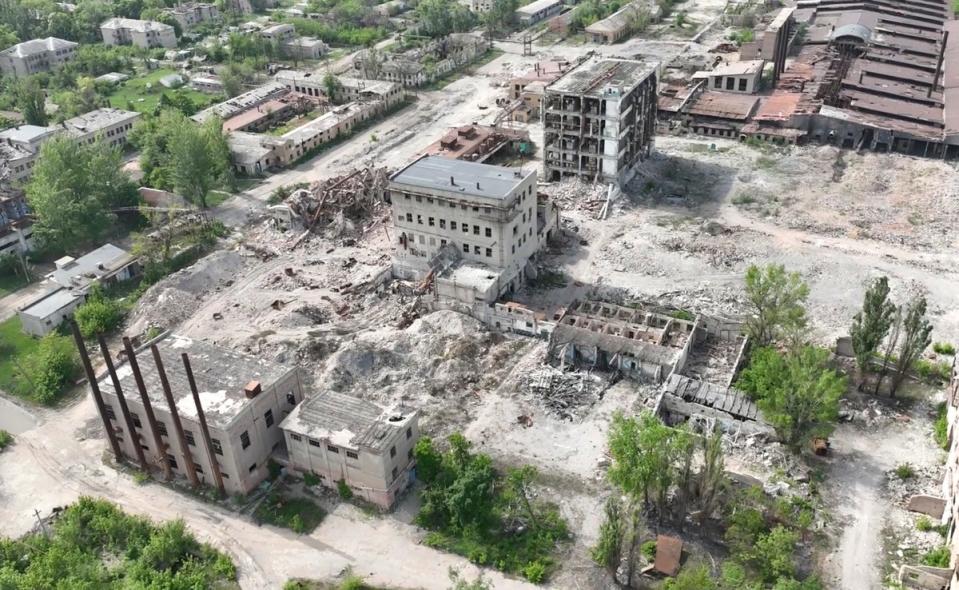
{"points": [[940, 427], [777, 301], [492, 518], [93, 544], [99, 314], [6, 439], [38, 370], [904, 471], [300, 515]]}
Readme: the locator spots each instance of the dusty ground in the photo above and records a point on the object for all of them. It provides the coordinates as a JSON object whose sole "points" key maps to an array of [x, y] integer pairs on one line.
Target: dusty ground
{"points": [[683, 233]]}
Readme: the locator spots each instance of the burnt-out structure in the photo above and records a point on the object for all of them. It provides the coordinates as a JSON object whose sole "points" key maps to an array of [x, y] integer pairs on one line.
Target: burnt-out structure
{"points": [[599, 119]]}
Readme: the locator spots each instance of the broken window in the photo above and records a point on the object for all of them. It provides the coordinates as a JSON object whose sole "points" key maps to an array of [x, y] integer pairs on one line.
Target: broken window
{"points": [[442, 224], [199, 468], [393, 451], [489, 232], [332, 449], [136, 420], [109, 410], [466, 228], [314, 443], [476, 229], [252, 468], [352, 455], [296, 437], [268, 417], [452, 225], [409, 454], [476, 250], [216, 446], [188, 435], [419, 219], [161, 428], [730, 81], [489, 252], [409, 217], [409, 433], [419, 199], [224, 476], [442, 242], [718, 82], [431, 222], [466, 248], [245, 439], [395, 473], [172, 460], [291, 399]]}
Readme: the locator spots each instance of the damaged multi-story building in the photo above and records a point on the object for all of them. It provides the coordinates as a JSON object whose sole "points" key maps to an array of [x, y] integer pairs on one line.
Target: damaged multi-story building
{"points": [[421, 65], [599, 119], [467, 230]]}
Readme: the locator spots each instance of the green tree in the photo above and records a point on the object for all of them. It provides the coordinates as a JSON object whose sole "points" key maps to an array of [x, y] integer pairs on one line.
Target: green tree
{"points": [[442, 17], [331, 84], [8, 36], [712, 475], [777, 300], [804, 397], [691, 578], [609, 547], [772, 555], [501, 15], [429, 461], [870, 326], [200, 158], [99, 314], [30, 101], [916, 337], [73, 190], [43, 374]]}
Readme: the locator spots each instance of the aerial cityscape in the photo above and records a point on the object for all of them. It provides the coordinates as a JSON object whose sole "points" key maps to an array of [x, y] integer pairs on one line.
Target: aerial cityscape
{"points": [[479, 294]]}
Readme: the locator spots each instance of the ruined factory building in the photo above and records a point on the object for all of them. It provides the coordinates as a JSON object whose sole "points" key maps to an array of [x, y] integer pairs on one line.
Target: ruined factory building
{"points": [[469, 228], [599, 120], [635, 341], [342, 438], [243, 398]]}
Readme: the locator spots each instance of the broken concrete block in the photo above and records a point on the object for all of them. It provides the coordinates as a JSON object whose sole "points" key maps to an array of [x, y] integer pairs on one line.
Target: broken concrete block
{"points": [[929, 505]]}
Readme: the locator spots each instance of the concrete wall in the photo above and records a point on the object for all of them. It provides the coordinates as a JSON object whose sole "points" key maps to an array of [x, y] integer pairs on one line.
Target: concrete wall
{"points": [[377, 477], [41, 326]]}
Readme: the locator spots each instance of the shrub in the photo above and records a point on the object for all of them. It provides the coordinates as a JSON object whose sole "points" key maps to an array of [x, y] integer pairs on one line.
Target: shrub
{"points": [[141, 477], [311, 479], [297, 525], [938, 557], [649, 549], [43, 374], [344, 490], [904, 471], [535, 572], [6, 439], [945, 348], [924, 524], [99, 314], [932, 372]]}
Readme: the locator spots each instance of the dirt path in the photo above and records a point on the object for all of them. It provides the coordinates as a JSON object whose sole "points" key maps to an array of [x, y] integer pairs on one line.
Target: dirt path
{"points": [[855, 481]]}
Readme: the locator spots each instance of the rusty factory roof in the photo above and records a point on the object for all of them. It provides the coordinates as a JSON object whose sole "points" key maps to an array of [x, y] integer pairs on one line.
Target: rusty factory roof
{"points": [[723, 105], [779, 107]]}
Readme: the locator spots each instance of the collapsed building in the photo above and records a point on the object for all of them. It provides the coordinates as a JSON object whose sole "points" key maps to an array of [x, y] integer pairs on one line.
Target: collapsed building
{"points": [[599, 119], [478, 143], [423, 65]]}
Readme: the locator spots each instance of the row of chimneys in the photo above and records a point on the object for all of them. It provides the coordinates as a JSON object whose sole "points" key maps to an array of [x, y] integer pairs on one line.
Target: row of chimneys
{"points": [[159, 445]]}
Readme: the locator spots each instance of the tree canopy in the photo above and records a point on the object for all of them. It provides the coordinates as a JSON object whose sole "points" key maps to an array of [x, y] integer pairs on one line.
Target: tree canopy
{"points": [[73, 190], [777, 300], [871, 325]]}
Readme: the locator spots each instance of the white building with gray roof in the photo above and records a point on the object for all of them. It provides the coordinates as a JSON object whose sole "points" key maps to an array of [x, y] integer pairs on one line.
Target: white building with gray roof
{"points": [[36, 55], [369, 448], [147, 34]]}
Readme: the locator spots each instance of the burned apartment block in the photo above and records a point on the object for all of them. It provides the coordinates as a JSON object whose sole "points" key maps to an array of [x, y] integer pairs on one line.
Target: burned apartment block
{"points": [[599, 119], [219, 426], [341, 438], [467, 229]]}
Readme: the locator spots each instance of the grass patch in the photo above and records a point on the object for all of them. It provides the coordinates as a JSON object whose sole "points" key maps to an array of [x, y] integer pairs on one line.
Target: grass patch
{"points": [[940, 427], [6, 439], [938, 557], [904, 471], [744, 199], [932, 372], [216, 198], [297, 514], [11, 282], [144, 92], [944, 348], [14, 345]]}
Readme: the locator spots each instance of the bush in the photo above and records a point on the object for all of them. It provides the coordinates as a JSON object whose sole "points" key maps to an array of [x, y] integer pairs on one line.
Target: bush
{"points": [[945, 348], [43, 374], [141, 477], [346, 493], [924, 524], [905, 471], [535, 572], [648, 549], [933, 372], [99, 314], [311, 479], [6, 439], [937, 557]]}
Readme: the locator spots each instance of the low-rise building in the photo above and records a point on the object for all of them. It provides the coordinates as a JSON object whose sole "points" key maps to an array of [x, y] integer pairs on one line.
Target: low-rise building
{"points": [[147, 34], [69, 284], [469, 228], [36, 55], [243, 102], [16, 228], [243, 398], [191, 14], [305, 48], [476, 143], [620, 24], [208, 84], [110, 125], [340, 438], [741, 76], [346, 89], [278, 33], [19, 148], [537, 11]]}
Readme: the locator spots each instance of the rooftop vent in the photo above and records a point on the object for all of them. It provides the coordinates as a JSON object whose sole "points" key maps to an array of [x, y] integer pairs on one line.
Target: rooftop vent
{"points": [[252, 389]]}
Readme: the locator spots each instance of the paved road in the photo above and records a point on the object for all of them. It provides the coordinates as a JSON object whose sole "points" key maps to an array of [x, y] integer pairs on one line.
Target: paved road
{"points": [[10, 303]]}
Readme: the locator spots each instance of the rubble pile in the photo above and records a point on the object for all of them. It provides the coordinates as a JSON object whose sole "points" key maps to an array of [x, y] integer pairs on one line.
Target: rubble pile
{"points": [[576, 194], [340, 200], [921, 480], [566, 395]]}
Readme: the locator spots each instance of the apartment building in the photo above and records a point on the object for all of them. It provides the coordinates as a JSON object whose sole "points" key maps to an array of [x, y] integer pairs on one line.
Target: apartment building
{"points": [[599, 119], [16, 231], [341, 438], [19, 148], [109, 124], [243, 400], [36, 55], [191, 14], [471, 227], [147, 34]]}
